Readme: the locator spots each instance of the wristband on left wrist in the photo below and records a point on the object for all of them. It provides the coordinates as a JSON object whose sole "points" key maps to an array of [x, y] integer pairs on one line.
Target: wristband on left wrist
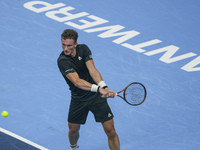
{"points": [[102, 84]]}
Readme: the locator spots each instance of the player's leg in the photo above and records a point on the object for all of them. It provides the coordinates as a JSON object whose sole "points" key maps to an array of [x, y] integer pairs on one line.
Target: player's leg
{"points": [[73, 134], [113, 139], [77, 115], [103, 114]]}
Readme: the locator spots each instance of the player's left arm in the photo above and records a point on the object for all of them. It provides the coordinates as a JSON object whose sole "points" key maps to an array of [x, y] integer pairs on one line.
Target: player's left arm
{"points": [[96, 76], [94, 73]]}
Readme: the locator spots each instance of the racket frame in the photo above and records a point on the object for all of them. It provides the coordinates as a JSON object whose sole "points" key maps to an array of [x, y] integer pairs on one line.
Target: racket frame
{"points": [[124, 95]]}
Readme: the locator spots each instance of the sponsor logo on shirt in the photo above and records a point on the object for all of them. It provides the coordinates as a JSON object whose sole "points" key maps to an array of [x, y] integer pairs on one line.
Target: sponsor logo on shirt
{"points": [[68, 70], [79, 58]]}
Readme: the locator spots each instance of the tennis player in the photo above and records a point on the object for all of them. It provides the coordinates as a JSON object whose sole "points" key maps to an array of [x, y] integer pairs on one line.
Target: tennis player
{"points": [[86, 84]]}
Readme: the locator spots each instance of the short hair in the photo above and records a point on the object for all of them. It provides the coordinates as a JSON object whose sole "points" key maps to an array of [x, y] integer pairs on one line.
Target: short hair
{"points": [[70, 34]]}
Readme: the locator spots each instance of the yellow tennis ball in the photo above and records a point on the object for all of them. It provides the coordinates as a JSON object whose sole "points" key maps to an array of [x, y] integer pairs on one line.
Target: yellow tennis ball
{"points": [[4, 113]]}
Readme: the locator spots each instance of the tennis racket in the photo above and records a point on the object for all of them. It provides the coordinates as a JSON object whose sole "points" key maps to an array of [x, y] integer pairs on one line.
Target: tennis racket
{"points": [[134, 94]]}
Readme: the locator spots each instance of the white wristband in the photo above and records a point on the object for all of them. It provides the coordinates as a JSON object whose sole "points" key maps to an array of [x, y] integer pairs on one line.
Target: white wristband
{"points": [[94, 88], [102, 84]]}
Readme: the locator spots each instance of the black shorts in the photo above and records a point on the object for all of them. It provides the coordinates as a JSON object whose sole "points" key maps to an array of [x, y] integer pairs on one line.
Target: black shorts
{"points": [[78, 110]]}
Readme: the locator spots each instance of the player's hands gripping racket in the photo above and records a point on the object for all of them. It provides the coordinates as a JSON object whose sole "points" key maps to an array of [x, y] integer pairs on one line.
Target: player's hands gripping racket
{"points": [[134, 94]]}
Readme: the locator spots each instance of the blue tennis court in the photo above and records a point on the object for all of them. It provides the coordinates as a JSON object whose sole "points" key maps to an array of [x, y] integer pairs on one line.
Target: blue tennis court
{"points": [[152, 42]]}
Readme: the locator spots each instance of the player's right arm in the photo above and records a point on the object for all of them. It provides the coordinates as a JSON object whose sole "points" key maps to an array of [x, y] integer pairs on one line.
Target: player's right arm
{"points": [[84, 85], [67, 70], [78, 82]]}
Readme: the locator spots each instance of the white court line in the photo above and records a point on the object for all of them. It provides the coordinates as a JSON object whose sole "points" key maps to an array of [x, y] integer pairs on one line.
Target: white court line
{"points": [[22, 139]]}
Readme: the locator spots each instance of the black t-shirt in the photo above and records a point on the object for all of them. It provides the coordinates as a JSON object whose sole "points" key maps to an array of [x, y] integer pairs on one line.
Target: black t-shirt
{"points": [[67, 64]]}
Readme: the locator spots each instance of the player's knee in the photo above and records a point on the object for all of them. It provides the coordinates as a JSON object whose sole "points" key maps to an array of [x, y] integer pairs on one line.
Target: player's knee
{"points": [[111, 133], [73, 130]]}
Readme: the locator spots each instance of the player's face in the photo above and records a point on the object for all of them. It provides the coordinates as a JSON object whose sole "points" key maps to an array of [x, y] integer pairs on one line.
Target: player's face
{"points": [[69, 47]]}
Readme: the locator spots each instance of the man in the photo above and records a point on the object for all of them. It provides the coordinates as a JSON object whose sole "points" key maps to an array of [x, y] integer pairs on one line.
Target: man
{"points": [[86, 85]]}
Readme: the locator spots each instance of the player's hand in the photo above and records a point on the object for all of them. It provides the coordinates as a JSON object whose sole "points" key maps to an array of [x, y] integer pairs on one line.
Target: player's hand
{"points": [[106, 93], [111, 94]]}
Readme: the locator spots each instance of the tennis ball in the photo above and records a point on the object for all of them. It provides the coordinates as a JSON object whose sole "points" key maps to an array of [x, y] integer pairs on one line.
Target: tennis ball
{"points": [[4, 113]]}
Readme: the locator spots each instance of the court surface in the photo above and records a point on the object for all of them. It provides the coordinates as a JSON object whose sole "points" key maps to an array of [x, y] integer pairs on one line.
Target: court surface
{"points": [[154, 42]]}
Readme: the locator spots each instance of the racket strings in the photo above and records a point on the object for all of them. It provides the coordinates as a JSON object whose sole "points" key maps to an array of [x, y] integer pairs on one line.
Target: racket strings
{"points": [[134, 94]]}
